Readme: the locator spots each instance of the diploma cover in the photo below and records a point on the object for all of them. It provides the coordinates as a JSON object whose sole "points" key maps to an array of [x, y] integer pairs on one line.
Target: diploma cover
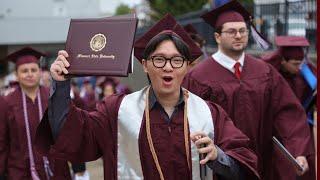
{"points": [[286, 153], [101, 46]]}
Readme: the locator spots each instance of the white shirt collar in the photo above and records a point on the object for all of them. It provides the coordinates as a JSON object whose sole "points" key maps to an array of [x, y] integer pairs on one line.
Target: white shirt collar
{"points": [[226, 61]]}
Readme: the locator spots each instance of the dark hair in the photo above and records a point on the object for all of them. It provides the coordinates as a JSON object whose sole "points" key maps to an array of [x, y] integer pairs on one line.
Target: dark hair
{"points": [[154, 43], [218, 29], [198, 39]]}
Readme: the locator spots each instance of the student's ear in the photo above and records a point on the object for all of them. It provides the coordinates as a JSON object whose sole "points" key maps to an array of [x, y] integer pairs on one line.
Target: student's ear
{"points": [[217, 37], [144, 64]]}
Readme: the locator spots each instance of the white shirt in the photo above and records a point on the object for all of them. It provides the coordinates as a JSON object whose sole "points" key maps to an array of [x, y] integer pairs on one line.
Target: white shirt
{"points": [[226, 61]]}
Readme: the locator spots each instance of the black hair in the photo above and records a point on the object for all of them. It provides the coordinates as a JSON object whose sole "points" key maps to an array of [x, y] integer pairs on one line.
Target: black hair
{"points": [[198, 39], [181, 46], [218, 29]]}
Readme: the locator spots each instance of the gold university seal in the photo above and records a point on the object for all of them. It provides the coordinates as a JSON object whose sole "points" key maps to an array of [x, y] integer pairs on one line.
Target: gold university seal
{"points": [[98, 42]]}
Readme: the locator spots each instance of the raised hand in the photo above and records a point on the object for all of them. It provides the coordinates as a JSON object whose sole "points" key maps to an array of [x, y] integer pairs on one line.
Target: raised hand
{"points": [[59, 67]]}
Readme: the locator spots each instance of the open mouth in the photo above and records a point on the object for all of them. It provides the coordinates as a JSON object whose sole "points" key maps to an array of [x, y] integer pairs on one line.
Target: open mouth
{"points": [[167, 79]]}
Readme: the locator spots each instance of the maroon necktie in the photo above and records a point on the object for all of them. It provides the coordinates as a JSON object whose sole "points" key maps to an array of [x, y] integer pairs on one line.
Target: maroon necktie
{"points": [[237, 70]]}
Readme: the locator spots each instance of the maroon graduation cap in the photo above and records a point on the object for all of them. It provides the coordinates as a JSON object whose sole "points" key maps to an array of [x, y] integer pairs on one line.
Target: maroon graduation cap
{"points": [[25, 55], [291, 47], [285, 41], [189, 28], [167, 25], [233, 11], [193, 33]]}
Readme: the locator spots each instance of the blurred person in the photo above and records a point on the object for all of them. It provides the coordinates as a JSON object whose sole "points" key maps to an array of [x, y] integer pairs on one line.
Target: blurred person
{"points": [[253, 93], [288, 59], [10, 83], [24, 108], [87, 93], [75, 95], [108, 87], [45, 78], [10, 87], [132, 132], [123, 89], [11, 77]]}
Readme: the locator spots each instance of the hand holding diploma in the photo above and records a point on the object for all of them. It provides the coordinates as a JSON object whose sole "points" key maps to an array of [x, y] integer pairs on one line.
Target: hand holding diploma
{"points": [[59, 67], [300, 163]]}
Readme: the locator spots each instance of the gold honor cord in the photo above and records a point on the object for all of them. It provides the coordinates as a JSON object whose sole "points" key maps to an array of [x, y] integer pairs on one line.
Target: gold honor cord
{"points": [[185, 130]]}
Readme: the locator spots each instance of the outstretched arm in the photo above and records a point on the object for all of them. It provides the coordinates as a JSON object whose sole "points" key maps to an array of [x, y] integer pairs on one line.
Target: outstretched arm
{"points": [[67, 132]]}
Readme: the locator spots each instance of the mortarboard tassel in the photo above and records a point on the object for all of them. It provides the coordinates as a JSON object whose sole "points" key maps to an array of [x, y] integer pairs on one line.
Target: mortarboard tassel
{"points": [[262, 43]]}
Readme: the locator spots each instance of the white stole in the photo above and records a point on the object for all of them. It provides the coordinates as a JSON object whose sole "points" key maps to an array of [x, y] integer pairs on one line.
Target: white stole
{"points": [[130, 116]]}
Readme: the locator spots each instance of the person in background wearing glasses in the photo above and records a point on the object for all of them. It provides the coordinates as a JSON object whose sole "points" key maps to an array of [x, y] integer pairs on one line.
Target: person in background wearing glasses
{"points": [[155, 133], [252, 92]]}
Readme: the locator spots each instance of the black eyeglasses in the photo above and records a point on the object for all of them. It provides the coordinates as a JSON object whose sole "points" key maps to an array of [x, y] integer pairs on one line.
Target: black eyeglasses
{"points": [[234, 32], [160, 61]]}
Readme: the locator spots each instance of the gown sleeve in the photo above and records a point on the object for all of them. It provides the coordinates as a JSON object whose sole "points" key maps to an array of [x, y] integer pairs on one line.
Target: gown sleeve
{"points": [[79, 135], [233, 142], [290, 121]]}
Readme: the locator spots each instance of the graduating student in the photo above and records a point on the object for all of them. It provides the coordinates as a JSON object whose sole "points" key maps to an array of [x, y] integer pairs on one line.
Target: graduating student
{"points": [[287, 59], [155, 133], [23, 111], [252, 92], [87, 94], [108, 87]]}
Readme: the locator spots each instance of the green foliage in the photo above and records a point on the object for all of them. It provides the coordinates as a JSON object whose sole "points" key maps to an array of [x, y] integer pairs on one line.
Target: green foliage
{"points": [[248, 4], [123, 9], [247, 1], [175, 7]]}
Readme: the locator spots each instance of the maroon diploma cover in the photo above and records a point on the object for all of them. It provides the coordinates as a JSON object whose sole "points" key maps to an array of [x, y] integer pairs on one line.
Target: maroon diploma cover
{"points": [[101, 46], [286, 153]]}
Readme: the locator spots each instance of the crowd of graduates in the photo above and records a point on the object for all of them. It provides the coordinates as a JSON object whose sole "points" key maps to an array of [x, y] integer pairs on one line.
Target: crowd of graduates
{"points": [[227, 105]]}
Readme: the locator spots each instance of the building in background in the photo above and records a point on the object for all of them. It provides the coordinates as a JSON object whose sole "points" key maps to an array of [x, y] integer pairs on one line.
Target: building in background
{"points": [[287, 17], [42, 24]]}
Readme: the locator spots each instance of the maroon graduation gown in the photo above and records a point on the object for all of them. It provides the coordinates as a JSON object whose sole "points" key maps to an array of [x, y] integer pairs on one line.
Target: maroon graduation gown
{"points": [[78, 101], [88, 136], [4, 140], [297, 83], [14, 139], [261, 104], [302, 91], [90, 101]]}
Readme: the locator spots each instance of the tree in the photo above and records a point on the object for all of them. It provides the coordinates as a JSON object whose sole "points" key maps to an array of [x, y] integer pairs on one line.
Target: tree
{"points": [[123, 9], [174, 7]]}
